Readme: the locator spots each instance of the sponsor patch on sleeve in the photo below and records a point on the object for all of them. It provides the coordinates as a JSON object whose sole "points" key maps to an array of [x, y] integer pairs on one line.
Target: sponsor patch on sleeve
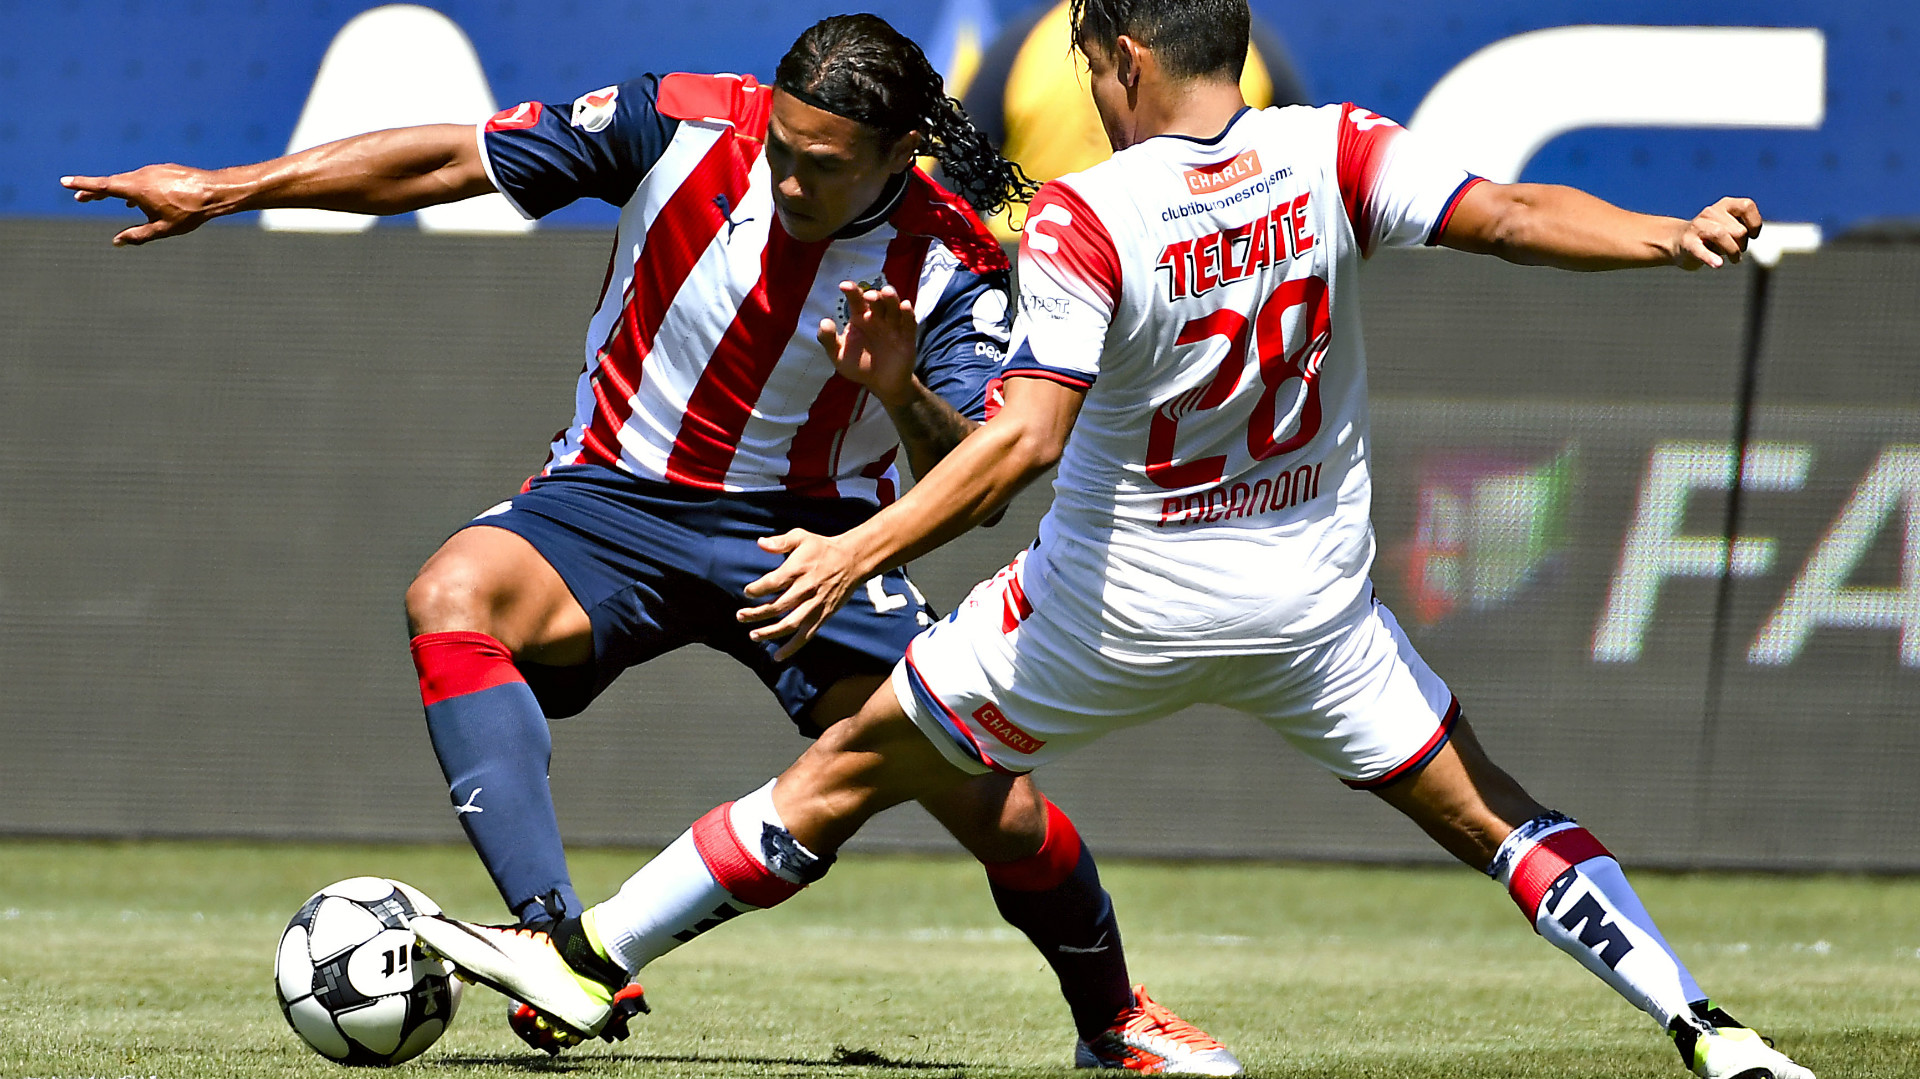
{"points": [[524, 115], [593, 112]]}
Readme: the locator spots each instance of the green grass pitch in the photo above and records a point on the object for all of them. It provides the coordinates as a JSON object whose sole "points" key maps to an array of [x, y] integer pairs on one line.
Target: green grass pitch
{"points": [[155, 959]]}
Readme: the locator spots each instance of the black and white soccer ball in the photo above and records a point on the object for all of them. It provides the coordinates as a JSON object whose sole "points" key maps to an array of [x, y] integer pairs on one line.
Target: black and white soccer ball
{"points": [[352, 980]]}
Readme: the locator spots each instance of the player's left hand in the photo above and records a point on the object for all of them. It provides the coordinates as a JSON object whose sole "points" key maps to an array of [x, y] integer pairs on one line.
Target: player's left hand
{"points": [[814, 581], [175, 198], [1718, 236], [879, 344]]}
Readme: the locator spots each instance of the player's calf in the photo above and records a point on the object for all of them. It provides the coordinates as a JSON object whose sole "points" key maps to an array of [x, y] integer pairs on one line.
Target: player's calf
{"points": [[572, 975], [737, 859], [1054, 896], [1568, 886], [1576, 896]]}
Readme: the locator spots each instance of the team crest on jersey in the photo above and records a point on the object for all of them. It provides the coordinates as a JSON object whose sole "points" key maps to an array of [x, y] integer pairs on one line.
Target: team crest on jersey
{"points": [[593, 112], [865, 286]]}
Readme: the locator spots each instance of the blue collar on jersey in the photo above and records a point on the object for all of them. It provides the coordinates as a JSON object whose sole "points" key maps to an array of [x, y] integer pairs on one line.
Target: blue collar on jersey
{"points": [[882, 208], [1244, 109]]}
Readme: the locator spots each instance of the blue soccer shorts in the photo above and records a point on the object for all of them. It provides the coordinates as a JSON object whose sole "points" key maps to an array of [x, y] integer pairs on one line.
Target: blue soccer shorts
{"points": [[658, 566]]}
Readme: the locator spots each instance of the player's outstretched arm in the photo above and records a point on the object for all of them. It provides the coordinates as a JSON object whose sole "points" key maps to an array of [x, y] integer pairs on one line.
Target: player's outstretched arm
{"points": [[877, 349], [382, 172], [1549, 225], [971, 484]]}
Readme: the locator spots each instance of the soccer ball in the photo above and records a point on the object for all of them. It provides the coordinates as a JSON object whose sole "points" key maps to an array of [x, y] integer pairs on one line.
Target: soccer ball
{"points": [[353, 982]]}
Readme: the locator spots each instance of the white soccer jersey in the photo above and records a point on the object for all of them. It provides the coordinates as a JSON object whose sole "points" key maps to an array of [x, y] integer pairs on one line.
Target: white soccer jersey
{"points": [[1214, 496]]}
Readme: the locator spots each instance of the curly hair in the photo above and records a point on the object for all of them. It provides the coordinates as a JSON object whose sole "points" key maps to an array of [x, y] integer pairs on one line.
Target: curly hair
{"points": [[859, 67]]}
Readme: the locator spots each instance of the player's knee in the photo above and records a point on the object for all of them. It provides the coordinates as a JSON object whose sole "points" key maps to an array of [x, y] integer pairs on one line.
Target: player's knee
{"points": [[825, 797], [997, 818], [449, 596]]}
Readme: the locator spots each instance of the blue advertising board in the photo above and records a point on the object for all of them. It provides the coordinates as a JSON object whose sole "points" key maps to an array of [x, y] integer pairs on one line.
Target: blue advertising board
{"points": [[98, 86]]}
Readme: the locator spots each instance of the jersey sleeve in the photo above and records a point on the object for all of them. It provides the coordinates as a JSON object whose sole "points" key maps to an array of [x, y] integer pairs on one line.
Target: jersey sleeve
{"points": [[542, 157], [963, 333], [1069, 290], [1397, 190]]}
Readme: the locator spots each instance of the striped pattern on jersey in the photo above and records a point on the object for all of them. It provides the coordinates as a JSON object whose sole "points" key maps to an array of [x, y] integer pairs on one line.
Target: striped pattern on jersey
{"points": [[702, 366]]}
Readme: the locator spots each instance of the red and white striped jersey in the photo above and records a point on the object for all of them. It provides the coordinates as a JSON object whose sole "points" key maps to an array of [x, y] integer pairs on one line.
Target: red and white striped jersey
{"points": [[1214, 495], [702, 367]]}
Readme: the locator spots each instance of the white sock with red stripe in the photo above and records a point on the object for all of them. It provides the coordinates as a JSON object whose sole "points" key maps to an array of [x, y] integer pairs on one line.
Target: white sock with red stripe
{"points": [[1577, 897], [737, 858]]}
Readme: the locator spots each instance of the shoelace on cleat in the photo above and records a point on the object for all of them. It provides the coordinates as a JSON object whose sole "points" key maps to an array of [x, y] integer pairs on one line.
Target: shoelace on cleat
{"points": [[1148, 1017]]}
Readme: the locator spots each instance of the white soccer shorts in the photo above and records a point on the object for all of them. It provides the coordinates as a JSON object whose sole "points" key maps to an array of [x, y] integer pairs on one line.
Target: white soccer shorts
{"points": [[999, 687]]}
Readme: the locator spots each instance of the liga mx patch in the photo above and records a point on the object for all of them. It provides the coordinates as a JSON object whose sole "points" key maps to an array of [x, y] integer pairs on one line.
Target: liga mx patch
{"points": [[524, 115], [593, 112]]}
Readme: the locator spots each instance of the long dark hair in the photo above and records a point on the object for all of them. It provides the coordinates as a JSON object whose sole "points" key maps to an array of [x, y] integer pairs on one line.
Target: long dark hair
{"points": [[859, 67]]}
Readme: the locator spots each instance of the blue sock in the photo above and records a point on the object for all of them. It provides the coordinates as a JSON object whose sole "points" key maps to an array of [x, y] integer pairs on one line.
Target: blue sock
{"points": [[494, 748], [1055, 898]]}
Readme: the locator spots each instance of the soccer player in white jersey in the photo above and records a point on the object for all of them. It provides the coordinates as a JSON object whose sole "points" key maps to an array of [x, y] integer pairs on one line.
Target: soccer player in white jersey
{"points": [[1189, 314], [706, 415]]}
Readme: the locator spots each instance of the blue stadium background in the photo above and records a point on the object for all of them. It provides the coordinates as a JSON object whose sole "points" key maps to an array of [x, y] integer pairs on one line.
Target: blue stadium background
{"points": [[105, 85]]}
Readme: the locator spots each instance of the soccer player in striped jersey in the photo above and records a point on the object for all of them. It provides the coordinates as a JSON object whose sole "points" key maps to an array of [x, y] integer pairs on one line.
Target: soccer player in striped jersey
{"points": [[754, 219], [1188, 351]]}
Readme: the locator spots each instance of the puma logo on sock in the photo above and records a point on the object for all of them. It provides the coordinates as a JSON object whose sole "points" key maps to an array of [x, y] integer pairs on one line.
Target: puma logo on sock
{"points": [[1098, 946]]}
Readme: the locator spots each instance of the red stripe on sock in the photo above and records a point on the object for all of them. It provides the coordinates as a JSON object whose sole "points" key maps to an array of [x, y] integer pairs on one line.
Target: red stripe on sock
{"points": [[740, 873], [1047, 868], [456, 664], [1549, 858]]}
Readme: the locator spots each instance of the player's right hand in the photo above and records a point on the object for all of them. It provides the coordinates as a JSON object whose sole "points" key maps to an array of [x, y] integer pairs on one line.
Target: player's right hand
{"points": [[807, 587], [175, 198], [1718, 236], [877, 349]]}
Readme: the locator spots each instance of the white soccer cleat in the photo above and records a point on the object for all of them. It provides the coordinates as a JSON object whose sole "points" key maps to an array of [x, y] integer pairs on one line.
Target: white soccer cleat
{"points": [[1740, 1053], [523, 964], [1150, 1038], [1715, 1046]]}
